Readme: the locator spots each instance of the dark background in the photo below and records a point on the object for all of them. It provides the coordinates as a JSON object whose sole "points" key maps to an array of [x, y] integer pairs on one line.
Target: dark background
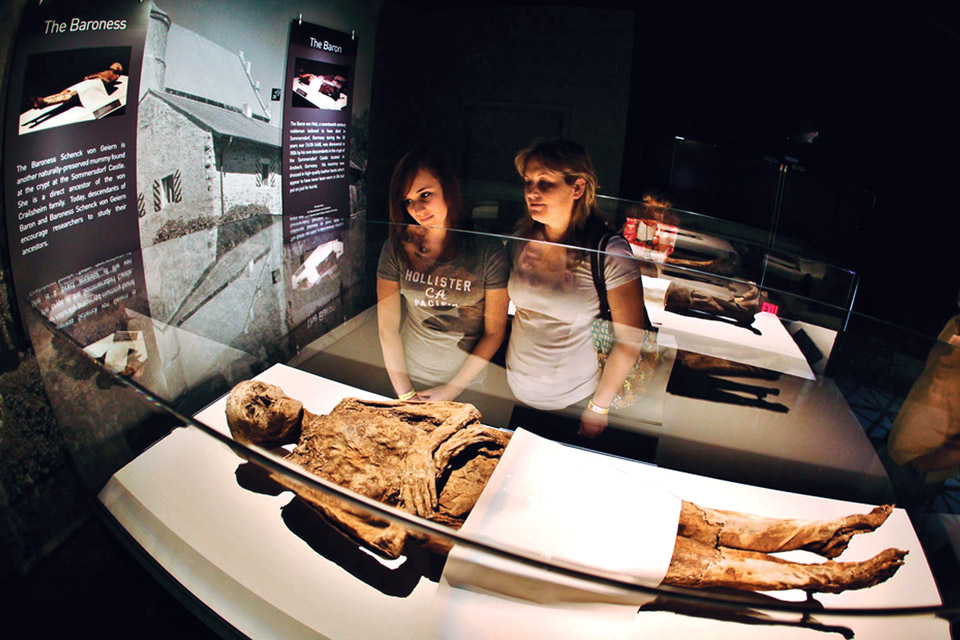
{"points": [[874, 192], [877, 81], [49, 73]]}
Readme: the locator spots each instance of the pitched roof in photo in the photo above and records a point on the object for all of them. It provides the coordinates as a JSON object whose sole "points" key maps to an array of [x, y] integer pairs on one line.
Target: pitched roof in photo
{"points": [[198, 67], [223, 121]]}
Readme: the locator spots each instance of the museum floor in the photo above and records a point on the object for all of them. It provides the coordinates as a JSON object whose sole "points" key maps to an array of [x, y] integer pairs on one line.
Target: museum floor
{"points": [[92, 586]]}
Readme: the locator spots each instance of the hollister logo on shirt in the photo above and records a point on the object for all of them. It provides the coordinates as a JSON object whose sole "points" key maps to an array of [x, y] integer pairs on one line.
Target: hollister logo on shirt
{"points": [[435, 292]]}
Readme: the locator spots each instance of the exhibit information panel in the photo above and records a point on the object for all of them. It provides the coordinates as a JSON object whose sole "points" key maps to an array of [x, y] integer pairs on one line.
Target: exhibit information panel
{"points": [[316, 142], [70, 174], [316, 157]]}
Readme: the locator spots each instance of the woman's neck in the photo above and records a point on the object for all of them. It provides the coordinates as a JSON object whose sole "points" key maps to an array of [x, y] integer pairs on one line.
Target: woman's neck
{"points": [[437, 237], [429, 242], [554, 234]]}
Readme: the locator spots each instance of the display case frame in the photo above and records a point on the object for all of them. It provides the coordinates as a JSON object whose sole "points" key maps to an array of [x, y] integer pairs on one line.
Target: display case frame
{"points": [[692, 451]]}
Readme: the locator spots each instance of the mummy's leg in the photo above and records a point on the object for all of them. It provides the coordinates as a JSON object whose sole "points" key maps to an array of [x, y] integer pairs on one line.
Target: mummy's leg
{"points": [[828, 538], [698, 565], [58, 98]]}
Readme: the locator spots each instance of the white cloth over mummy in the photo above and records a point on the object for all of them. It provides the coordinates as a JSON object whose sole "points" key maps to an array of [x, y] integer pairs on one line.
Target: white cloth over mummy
{"points": [[558, 502]]}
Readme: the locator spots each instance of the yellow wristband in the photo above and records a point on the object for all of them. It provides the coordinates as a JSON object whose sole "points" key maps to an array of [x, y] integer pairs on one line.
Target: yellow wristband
{"points": [[601, 410], [407, 395]]}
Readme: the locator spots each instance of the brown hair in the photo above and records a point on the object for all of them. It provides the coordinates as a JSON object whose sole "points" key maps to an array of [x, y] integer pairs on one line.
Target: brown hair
{"points": [[403, 175], [573, 161], [401, 220]]}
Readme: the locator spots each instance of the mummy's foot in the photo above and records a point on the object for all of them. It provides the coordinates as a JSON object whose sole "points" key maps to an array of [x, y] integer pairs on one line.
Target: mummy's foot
{"points": [[845, 528], [834, 577]]}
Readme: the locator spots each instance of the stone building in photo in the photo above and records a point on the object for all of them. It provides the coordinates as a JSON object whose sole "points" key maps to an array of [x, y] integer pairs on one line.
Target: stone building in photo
{"points": [[209, 199]]}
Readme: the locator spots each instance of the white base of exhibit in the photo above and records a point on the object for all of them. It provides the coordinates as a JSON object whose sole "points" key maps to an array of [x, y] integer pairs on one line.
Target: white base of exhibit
{"points": [[183, 502], [771, 347]]}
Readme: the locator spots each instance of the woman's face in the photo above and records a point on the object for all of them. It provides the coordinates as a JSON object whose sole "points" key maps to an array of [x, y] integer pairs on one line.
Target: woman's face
{"points": [[424, 200], [549, 198]]}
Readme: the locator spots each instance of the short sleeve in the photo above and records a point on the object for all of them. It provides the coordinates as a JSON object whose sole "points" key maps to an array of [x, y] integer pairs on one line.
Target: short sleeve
{"points": [[620, 266], [389, 267], [496, 266]]}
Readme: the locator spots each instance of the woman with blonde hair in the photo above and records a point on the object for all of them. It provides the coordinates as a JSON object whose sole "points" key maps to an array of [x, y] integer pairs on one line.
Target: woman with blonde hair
{"points": [[551, 359]]}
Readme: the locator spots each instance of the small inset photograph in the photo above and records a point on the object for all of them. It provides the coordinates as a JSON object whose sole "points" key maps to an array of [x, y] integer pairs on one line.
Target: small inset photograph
{"points": [[321, 263], [67, 87], [319, 85], [121, 352]]}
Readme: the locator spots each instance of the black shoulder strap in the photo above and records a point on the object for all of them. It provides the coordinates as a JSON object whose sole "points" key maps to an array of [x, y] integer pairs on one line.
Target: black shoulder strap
{"points": [[596, 268]]}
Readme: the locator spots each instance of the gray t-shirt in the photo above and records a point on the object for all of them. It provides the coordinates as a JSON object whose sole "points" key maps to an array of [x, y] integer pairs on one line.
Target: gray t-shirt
{"points": [[551, 360], [444, 305]]}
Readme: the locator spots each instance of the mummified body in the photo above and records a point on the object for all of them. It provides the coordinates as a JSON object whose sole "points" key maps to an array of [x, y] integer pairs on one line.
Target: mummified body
{"points": [[740, 307], [431, 459], [434, 458]]}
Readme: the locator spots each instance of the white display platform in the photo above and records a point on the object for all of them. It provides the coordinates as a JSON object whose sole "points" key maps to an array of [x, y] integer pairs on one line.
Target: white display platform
{"points": [[229, 546], [95, 103], [773, 349], [818, 442]]}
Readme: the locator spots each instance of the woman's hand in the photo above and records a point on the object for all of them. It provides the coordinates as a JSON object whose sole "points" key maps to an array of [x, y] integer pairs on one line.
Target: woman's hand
{"points": [[443, 392], [592, 423]]}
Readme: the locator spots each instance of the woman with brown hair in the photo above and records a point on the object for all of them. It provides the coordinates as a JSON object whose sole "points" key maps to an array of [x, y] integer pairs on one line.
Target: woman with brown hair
{"points": [[451, 283], [551, 359]]}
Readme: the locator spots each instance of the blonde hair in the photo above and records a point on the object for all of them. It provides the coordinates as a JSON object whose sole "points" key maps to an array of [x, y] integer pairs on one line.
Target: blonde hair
{"points": [[573, 161]]}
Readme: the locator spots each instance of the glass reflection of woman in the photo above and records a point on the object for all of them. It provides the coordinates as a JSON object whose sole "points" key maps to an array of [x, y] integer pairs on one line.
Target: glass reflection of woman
{"points": [[450, 284], [923, 448], [551, 360]]}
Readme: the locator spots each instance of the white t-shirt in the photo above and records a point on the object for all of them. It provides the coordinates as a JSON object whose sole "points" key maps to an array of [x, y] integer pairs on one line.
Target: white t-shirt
{"points": [[551, 360]]}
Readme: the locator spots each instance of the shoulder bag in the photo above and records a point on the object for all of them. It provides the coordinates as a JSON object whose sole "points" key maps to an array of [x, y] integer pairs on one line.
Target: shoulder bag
{"points": [[634, 386]]}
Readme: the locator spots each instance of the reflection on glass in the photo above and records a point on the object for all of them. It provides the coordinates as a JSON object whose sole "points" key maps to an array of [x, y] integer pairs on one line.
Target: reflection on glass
{"points": [[653, 228], [731, 416], [551, 359], [923, 441], [441, 294], [731, 302]]}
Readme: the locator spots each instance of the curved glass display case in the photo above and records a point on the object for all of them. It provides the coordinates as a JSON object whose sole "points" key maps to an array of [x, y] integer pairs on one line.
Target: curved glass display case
{"points": [[735, 493]]}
